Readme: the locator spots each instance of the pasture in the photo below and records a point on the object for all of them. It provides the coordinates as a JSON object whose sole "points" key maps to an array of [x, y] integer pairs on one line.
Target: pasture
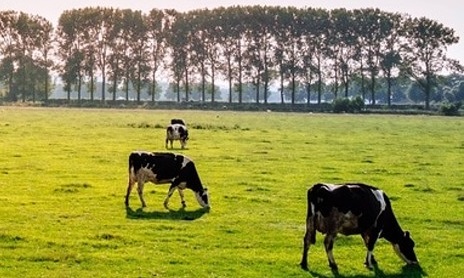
{"points": [[63, 177]]}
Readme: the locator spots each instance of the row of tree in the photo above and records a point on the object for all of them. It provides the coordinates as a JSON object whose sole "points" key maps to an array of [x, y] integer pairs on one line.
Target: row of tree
{"points": [[287, 48]]}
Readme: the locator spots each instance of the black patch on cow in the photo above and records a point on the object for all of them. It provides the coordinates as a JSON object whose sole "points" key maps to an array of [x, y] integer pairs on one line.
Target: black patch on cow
{"points": [[177, 121]]}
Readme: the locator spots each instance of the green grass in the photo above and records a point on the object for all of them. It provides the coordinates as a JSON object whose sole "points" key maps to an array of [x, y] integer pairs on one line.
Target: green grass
{"points": [[63, 177]]}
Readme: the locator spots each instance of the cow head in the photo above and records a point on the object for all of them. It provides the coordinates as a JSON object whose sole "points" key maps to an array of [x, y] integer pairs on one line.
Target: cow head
{"points": [[405, 249], [203, 198]]}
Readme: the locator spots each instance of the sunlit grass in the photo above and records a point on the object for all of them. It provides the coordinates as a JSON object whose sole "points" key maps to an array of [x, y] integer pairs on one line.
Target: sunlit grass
{"points": [[63, 174]]}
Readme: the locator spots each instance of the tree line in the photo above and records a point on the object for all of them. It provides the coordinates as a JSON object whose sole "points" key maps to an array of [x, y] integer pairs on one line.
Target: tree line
{"points": [[300, 52]]}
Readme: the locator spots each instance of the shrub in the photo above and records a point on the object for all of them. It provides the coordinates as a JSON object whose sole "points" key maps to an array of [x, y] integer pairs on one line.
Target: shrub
{"points": [[357, 104], [450, 109], [349, 106]]}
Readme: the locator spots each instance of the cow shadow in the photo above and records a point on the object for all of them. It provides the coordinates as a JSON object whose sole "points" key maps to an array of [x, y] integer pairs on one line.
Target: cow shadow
{"points": [[176, 149], [413, 271], [180, 214]]}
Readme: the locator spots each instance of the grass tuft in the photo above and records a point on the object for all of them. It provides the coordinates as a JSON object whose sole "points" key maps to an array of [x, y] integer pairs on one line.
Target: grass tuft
{"points": [[5, 238]]}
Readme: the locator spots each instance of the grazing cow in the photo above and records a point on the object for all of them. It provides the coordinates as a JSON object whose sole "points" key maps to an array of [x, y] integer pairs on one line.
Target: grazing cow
{"points": [[178, 121], [177, 132], [161, 168], [349, 209]]}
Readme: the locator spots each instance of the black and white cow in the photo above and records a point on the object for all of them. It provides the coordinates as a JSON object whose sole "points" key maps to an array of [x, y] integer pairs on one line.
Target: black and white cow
{"points": [[161, 168], [349, 209], [177, 132]]}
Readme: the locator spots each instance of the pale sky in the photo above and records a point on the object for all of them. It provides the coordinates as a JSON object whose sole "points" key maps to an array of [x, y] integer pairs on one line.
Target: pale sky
{"points": [[448, 12]]}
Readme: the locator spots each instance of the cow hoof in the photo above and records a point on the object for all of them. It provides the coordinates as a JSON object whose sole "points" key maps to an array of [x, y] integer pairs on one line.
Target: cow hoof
{"points": [[304, 266], [370, 267]]}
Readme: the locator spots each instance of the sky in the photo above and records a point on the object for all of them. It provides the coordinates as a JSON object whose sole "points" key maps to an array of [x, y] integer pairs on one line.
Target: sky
{"points": [[447, 12]]}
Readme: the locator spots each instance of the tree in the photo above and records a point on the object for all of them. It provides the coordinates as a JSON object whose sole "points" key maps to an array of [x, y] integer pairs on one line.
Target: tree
{"points": [[426, 53], [140, 71], [288, 54], [70, 50], [117, 45], [45, 48], [8, 42], [390, 58], [259, 49], [374, 29], [315, 22], [157, 25], [344, 24]]}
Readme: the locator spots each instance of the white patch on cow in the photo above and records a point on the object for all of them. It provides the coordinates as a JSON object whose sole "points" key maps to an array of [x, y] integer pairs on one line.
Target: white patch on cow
{"points": [[182, 185], [146, 174], [379, 196], [397, 249], [330, 187], [186, 160], [313, 209]]}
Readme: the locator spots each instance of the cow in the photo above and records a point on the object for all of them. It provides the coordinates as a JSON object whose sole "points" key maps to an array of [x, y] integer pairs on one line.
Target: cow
{"points": [[177, 132], [353, 208], [163, 168]]}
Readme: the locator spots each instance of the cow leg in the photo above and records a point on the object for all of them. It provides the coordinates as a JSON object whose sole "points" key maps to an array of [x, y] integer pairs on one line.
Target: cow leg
{"points": [[181, 194], [130, 185], [328, 244], [309, 238], [170, 192], [369, 241], [140, 185]]}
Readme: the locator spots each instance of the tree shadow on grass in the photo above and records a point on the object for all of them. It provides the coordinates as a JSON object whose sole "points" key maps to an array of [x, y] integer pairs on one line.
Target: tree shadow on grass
{"points": [[180, 214], [409, 271]]}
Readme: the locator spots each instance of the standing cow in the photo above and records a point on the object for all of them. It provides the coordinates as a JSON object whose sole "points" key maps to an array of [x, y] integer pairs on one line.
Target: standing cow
{"points": [[161, 168], [177, 132], [349, 209]]}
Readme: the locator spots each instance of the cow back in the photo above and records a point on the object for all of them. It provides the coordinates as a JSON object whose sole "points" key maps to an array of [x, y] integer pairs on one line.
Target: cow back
{"points": [[164, 165], [177, 121], [358, 199]]}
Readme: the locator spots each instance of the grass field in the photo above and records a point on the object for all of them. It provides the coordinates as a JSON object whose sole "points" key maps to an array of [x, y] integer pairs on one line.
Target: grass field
{"points": [[63, 177]]}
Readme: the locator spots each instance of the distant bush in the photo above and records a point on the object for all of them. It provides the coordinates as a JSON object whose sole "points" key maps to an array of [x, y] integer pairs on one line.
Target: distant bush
{"points": [[346, 105], [450, 109]]}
